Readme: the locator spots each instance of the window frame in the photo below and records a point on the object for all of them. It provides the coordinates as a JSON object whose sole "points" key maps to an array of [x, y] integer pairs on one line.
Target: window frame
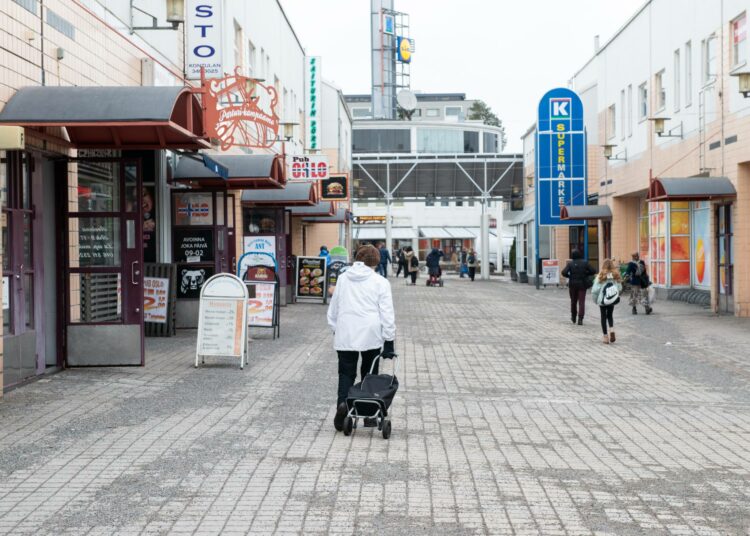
{"points": [[660, 92], [642, 100], [677, 79], [623, 118], [742, 45], [630, 110], [688, 74], [611, 121]]}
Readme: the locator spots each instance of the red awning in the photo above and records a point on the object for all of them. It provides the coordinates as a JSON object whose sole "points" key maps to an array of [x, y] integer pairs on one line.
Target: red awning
{"points": [[295, 194], [585, 212], [246, 172], [690, 189], [321, 209], [123, 117]]}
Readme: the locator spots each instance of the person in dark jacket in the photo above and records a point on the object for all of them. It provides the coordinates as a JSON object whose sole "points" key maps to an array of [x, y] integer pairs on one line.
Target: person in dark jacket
{"points": [[385, 260], [639, 282], [401, 261], [578, 271], [463, 269], [433, 262]]}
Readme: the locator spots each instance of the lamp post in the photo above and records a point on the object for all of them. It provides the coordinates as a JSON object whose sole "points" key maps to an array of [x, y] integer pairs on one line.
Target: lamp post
{"points": [[744, 82], [175, 16], [608, 154], [660, 129]]}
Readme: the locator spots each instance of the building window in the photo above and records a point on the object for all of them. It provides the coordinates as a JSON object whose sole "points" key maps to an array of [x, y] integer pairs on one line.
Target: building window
{"points": [[623, 119], [709, 59], [429, 202], [445, 203], [435, 140], [238, 45], [432, 112], [359, 113], [262, 60], [611, 122], [739, 41], [459, 202], [660, 91], [471, 142], [688, 73], [642, 102], [677, 80], [453, 111], [490, 143], [286, 104], [630, 110], [250, 58], [387, 140]]}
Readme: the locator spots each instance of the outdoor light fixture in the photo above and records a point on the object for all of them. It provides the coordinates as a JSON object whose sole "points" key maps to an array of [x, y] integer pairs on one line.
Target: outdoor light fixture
{"points": [[659, 128], [609, 156], [744, 78], [288, 130], [175, 16]]}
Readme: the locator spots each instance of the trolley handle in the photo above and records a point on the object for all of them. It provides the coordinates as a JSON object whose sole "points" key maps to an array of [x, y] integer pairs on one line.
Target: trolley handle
{"points": [[380, 357]]}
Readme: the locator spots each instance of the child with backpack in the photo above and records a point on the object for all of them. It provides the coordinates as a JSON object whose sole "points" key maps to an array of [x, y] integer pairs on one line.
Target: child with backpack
{"points": [[606, 292]]}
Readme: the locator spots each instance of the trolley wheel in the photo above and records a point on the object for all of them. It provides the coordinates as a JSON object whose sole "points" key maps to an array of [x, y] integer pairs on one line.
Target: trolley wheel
{"points": [[348, 425], [386, 429]]}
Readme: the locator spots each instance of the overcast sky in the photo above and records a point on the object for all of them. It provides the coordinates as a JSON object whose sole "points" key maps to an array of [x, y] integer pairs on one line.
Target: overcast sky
{"points": [[505, 52]]}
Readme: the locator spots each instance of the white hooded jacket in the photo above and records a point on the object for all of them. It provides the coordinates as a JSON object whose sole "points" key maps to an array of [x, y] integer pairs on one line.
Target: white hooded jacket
{"points": [[361, 310]]}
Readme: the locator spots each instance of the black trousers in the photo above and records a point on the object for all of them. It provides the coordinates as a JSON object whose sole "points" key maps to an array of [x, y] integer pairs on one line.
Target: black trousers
{"points": [[577, 301], [606, 312], [348, 369], [413, 277], [472, 272], [400, 267]]}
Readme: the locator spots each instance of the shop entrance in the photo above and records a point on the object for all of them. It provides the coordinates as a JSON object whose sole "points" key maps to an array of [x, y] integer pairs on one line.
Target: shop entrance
{"points": [[103, 259]]}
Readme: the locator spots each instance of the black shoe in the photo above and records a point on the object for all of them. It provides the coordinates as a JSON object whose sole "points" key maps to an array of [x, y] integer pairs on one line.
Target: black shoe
{"points": [[338, 420], [580, 320], [573, 319], [370, 422], [649, 310], [635, 311]]}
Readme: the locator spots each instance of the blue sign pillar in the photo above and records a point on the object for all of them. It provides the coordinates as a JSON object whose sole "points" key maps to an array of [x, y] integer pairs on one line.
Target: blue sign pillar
{"points": [[560, 159]]}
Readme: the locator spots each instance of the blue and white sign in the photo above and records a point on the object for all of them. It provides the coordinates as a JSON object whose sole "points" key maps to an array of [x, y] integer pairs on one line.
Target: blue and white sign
{"points": [[203, 39], [560, 156]]}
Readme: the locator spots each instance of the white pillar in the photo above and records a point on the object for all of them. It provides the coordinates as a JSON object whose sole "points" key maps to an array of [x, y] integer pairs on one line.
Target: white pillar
{"points": [[388, 217], [484, 254], [499, 231]]}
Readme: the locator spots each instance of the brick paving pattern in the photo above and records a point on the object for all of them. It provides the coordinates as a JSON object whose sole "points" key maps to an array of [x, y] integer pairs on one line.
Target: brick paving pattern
{"points": [[509, 420]]}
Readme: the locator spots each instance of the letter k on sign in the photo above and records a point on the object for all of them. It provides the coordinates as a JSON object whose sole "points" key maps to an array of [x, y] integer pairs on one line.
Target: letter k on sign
{"points": [[560, 108]]}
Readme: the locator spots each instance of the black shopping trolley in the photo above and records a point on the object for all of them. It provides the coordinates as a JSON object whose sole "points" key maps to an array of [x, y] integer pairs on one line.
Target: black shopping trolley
{"points": [[371, 398]]}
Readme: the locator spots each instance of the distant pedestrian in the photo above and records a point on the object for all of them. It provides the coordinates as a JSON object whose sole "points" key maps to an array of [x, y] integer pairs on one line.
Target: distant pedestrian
{"points": [[606, 293], [401, 263], [433, 262], [385, 260], [637, 276], [325, 253], [463, 269], [412, 264], [578, 272], [471, 263], [362, 319]]}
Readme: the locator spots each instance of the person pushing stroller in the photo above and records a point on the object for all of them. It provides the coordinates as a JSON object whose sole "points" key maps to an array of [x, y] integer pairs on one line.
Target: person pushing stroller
{"points": [[363, 321]]}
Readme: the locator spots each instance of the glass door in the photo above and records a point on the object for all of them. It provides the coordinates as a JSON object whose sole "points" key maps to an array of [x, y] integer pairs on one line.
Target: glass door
{"points": [[104, 259]]}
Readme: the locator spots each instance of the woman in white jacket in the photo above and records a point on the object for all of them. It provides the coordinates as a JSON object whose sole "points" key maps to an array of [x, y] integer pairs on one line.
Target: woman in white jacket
{"points": [[362, 319]]}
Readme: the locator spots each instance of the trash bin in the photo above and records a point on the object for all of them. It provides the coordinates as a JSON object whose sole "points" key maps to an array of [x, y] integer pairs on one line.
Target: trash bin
{"points": [[523, 277]]}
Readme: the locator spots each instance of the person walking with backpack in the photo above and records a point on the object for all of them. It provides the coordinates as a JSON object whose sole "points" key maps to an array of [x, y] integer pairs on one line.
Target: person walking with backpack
{"points": [[471, 262], [639, 283], [412, 264], [606, 293], [578, 272]]}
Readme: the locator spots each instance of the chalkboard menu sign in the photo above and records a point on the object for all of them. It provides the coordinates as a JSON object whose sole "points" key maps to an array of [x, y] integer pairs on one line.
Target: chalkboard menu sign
{"points": [[310, 282], [193, 245]]}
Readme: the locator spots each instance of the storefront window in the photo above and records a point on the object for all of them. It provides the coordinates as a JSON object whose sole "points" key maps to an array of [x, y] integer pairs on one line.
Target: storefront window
{"points": [[726, 250], [679, 244], [259, 221], [94, 242], [643, 241], [658, 246], [95, 297], [192, 209], [701, 247], [98, 187]]}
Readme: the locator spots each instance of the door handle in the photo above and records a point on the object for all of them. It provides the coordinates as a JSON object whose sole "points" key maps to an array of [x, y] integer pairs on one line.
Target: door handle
{"points": [[134, 273]]}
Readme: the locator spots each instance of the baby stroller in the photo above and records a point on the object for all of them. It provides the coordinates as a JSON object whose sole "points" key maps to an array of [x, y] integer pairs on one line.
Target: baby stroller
{"points": [[371, 398], [435, 277]]}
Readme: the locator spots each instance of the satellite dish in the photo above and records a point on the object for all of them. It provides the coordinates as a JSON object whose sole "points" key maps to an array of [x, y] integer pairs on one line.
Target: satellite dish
{"points": [[407, 100]]}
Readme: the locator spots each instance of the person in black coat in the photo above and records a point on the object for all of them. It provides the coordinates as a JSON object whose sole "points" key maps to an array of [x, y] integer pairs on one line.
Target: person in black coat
{"points": [[433, 262], [579, 273]]}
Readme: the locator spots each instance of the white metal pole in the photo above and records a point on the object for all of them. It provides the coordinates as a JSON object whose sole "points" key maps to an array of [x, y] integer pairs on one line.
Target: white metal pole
{"points": [[388, 197], [499, 231], [485, 232]]}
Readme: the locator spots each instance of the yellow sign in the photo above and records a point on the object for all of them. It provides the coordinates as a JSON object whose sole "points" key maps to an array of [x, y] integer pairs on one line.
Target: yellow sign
{"points": [[404, 50]]}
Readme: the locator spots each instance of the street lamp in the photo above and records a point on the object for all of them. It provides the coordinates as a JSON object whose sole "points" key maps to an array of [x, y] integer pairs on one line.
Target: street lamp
{"points": [[744, 79], [659, 128], [608, 153], [175, 16]]}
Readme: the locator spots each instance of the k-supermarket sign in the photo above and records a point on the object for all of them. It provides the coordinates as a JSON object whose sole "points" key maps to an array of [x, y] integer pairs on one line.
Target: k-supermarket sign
{"points": [[560, 156]]}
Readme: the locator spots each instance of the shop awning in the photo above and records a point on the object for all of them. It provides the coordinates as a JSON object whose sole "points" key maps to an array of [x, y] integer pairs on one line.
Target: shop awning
{"points": [[246, 171], [342, 215], [522, 217], [586, 212], [132, 117], [372, 232], [303, 193], [690, 189], [434, 232], [476, 231], [318, 210]]}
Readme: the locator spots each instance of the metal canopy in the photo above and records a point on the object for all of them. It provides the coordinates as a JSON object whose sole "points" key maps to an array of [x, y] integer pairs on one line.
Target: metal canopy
{"points": [[690, 189], [303, 193], [245, 171], [526, 215], [371, 232], [320, 209], [437, 176], [342, 215], [132, 117], [586, 212]]}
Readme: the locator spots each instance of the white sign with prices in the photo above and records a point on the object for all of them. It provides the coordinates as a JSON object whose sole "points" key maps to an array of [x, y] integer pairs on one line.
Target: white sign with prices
{"points": [[312, 94], [222, 319], [203, 34], [307, 167], [551, 272], [155, 299], [260, 308]]}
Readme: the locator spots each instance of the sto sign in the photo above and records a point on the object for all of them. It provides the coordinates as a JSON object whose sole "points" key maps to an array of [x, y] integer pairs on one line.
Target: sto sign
{"points": [[203, 38]]}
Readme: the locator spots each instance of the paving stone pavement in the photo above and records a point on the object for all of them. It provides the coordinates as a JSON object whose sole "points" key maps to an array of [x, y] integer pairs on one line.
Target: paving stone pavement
{"points": [[509, 420]]}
